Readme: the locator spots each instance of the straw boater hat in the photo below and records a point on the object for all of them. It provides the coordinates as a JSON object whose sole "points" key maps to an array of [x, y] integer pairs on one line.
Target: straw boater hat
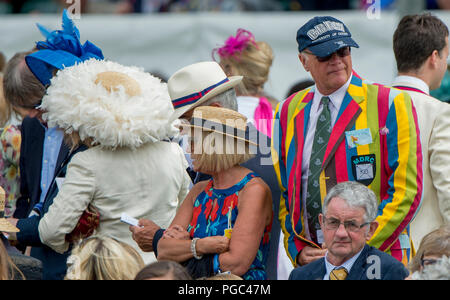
{"points": [[194, 84], [114, 105], [61, 49], [220, 120], [4, 224]]}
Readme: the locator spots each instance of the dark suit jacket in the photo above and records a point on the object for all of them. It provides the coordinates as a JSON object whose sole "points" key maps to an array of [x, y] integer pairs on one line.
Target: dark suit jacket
{"points": [[54, 264], [371, 264], [262, 165], [31, 151]]}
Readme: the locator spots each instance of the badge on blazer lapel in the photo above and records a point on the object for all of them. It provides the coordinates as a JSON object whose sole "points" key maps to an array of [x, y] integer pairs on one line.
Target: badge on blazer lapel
{"points": [[364, 168], [358, 137]]}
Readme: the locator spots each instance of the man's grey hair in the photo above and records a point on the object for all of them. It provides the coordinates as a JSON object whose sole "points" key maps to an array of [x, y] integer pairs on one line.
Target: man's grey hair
{"points": [[356, 195], [226, 99]]}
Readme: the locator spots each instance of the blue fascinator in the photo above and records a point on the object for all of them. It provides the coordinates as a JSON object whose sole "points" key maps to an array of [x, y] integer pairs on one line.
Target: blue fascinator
{"points": [[61, 49]]}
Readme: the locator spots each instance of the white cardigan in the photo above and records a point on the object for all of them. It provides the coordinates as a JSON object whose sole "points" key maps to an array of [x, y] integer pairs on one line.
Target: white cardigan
{"points": [[149, 182]]}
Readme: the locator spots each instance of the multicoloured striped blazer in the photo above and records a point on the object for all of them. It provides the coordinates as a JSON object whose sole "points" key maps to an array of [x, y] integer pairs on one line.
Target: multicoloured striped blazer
{"points": [[393, 158]]}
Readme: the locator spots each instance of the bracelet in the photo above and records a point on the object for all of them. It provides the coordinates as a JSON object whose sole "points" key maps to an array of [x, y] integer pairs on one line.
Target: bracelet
{"points": [[193, 250]]}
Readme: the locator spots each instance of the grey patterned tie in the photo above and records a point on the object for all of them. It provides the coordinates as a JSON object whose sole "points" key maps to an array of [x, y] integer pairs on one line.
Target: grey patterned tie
{"points": [[321, 137]]}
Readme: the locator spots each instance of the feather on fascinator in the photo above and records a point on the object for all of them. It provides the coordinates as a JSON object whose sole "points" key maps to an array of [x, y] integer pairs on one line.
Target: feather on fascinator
{"points": [[114, 105], [235, 44], [62, 48]]}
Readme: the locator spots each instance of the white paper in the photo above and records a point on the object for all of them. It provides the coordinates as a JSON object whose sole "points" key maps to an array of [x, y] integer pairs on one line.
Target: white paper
{"points": [[129, 220]]}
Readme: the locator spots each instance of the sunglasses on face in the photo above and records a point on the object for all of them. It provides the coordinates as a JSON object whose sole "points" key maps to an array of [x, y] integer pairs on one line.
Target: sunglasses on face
{"points": [[343, 52]]}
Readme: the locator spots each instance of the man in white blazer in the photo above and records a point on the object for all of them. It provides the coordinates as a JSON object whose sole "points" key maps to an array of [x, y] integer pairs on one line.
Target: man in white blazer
{"points": [[421, 50]]}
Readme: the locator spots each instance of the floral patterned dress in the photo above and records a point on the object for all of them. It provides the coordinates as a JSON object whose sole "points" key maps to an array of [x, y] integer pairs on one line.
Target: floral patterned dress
{"points": [[212, 220], [10, 139]]}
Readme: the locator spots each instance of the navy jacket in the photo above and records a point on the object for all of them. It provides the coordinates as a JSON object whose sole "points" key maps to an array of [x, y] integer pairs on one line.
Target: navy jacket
{"points": [[262, 165], [54, 264], [371, 264]]}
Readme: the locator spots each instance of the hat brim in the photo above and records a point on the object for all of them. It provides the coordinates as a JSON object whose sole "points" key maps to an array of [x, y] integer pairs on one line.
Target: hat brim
{"points": [[43, 62], [329, 47], [231, 83], [224, 133], [5, 226]]}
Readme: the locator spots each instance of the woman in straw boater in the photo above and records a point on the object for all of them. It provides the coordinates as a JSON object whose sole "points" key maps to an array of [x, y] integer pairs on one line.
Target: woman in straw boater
{"points": [[227, 219], [122, 115]]}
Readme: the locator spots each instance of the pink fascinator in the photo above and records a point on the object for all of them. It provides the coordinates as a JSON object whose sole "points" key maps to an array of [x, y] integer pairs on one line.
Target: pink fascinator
{"points": [[235, 44]]}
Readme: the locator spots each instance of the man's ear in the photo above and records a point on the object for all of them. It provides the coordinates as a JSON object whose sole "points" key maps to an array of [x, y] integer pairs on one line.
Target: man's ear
{"points": [[321, 220], [302, 59], [433, 59], [372, 227]]}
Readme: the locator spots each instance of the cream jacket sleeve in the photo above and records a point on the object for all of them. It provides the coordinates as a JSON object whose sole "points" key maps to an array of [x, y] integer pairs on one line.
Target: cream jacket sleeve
{"points": [[439, 152], [184, 190], [73, 198]]}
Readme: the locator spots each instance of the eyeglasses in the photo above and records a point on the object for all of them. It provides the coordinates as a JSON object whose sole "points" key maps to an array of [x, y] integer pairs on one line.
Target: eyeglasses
{"points": [[428, 261], [350, 226], [343, 52]]}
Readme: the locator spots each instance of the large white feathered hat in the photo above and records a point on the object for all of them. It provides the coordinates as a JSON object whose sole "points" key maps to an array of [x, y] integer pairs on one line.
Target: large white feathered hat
{"points": [[114, 105]]}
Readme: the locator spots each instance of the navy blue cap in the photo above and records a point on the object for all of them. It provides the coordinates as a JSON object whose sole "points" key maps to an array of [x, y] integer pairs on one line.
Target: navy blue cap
{"points": [[324, 36]]}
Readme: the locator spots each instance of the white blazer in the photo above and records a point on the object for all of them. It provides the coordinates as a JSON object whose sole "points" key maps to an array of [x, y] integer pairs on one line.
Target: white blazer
{"points": [[434, 125], [150, 182]]}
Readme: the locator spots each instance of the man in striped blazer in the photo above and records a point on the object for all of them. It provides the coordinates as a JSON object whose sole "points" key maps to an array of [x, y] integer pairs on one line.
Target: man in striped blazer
{"points": [[344, 129]]}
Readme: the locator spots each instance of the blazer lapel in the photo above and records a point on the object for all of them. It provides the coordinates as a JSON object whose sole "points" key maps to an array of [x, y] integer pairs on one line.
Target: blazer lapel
{"points": [[319, 272], [295, 181], [34, 160], [63, 153], [359, 268]]}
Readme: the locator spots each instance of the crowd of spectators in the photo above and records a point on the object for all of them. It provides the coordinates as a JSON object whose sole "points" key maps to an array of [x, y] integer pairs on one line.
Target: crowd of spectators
{"points": [[155, 6]]}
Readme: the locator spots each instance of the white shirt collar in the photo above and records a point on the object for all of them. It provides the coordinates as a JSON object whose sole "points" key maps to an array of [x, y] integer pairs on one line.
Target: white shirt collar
{"points": [[412, 81], [336, 97], [347, 264]]}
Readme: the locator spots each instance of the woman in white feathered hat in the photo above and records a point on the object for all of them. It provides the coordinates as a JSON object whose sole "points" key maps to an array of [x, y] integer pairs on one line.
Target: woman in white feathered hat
{"points": [[123, 115]]}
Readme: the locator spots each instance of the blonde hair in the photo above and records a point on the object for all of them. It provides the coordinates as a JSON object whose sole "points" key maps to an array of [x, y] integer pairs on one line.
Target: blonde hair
{"points": [[103, 258], [253, 63], [216, 152], [436, 243], [7, 266]]}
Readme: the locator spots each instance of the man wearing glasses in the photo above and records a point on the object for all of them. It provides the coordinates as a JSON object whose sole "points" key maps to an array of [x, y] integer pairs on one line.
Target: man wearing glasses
{"points": [[354, 206], [344, 129]]}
